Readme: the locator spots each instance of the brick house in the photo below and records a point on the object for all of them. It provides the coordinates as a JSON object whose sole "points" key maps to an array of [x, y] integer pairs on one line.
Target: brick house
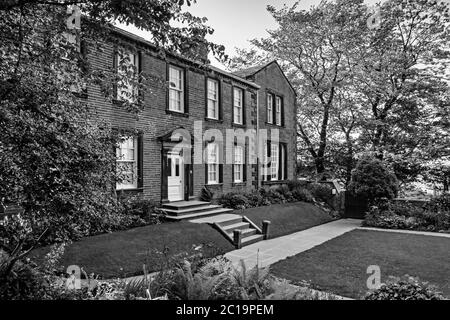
{"points": [[185, 119]]}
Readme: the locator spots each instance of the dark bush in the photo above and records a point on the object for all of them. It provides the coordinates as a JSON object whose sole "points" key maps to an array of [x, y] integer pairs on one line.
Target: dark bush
{"points": [[206, 194], [372, 180], [441, 203], [403, 215], [137, 211], [321, 191], [408, 288], [294, 184], [302, 194], [234, 201]]}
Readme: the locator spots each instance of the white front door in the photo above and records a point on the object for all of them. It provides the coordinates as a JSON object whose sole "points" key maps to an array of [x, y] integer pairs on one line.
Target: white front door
{"points": [[175, 179]]}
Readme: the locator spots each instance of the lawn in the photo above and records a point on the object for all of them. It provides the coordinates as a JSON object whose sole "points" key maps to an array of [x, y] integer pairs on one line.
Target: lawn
{"points": [[339, 265], [122, 254], [287, 218]]}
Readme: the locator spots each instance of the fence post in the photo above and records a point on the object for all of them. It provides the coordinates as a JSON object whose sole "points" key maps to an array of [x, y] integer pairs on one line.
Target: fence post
{"points": [[237, 238], [265, 229]]}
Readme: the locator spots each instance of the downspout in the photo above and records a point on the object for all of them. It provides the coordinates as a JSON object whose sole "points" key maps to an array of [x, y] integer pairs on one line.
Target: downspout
{"points": [[257, 139]]}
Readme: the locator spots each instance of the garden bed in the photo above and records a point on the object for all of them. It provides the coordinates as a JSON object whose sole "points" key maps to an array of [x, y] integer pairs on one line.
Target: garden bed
{"points": [[340, 265]]}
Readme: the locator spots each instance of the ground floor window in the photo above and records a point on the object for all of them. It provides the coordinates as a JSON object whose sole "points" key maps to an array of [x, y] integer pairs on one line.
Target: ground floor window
{"points": [[238, 166], [127, 154], [274, 162], [212, 166]]}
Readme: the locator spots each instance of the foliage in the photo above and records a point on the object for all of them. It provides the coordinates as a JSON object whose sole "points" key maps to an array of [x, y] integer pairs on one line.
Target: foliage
{"points": [[406, 288], [372, 180], [404, 215], [320, 191], [441, 203], [140, 210], [206, 194], [234, 201], [362, 88], [214, 279], [56, 158], [290, 192]]}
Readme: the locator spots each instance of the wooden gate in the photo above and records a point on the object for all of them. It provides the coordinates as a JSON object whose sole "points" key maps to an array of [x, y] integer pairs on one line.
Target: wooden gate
{"points": [[355, 207]]}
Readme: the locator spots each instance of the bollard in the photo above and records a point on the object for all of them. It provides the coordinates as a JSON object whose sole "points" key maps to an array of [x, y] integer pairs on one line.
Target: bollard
{"points": [[265, 229], [237, 238]]}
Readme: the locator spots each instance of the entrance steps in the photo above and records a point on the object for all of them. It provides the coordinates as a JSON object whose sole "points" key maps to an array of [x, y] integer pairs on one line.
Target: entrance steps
{"points": [[183, 210], [230, 224]]}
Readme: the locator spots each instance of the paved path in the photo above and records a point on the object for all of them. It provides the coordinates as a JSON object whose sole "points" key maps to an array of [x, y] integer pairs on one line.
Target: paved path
{"points": [[273, 250]]}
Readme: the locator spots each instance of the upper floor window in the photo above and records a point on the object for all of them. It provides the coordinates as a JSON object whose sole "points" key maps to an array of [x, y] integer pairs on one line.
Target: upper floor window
{"points": [[278, 111], [270, 108], [238, 106], [213, 163], [176, 89], [127, 154], [238, 164], [213, 99], [127, 66]]}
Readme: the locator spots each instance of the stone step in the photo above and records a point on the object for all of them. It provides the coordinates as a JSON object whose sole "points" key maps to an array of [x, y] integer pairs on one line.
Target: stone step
{"points": [[237, 226], [245, 232], [252, 239], [198, 214], [183, 205], [176, 212], [230, 221]]}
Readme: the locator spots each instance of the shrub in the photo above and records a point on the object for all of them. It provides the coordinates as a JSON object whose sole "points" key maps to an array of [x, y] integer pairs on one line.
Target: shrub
{"points": [[206, 194], [274, 197], [321, 191], [408, 288], [234, 201], [255, 199], [441, 203], [302, 194], [294, 184], [403, 215], [372, 180]]}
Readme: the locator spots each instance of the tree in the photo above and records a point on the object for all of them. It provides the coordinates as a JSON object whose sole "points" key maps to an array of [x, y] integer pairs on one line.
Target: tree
{"points": [[56, 157], [400, 74], [372, 179], [313, 46], [366, 89]]}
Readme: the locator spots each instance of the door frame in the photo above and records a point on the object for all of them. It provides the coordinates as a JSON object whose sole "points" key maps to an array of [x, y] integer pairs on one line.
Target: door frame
{"points": [[187, 154]]}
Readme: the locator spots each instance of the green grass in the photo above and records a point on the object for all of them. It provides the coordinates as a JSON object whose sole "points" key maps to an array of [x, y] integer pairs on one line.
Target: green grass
{"points": [[339, 265], [287, 218], [122, 254]]}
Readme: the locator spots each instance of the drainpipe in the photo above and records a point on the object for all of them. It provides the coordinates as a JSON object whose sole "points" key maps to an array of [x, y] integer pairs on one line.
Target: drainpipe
{"points": [[257, 139]]}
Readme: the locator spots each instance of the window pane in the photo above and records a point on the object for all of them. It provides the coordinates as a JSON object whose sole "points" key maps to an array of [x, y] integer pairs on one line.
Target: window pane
{"points": [[278, 110], [269, 108], [127, 163]]}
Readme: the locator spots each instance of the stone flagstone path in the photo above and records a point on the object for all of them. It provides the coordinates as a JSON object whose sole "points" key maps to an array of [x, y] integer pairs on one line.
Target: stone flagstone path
{"points": [[274, 250]]}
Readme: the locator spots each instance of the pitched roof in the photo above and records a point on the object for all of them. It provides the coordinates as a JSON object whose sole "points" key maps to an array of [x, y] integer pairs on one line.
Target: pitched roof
{"points": [[251, 71], [137, 38], [246, 73]]}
